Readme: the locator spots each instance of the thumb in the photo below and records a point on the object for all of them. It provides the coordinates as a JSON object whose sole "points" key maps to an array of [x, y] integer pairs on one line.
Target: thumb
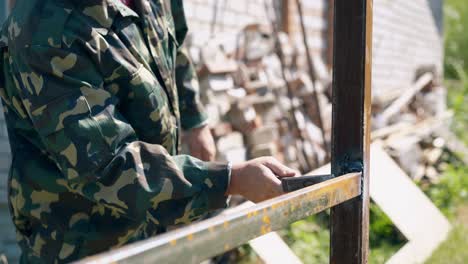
{"points": [[279, 169]]}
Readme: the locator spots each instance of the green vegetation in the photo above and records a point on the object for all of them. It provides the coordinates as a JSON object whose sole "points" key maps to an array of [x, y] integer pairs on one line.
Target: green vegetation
{"points": [[456, 38], [452, 190], [310, 238], [451, 195], [453, 249], [456, 62]]}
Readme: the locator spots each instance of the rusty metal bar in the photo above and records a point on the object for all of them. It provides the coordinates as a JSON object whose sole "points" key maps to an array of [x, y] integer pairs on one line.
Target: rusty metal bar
{"points": [[286, 25], [351, 126], [200, 241]]}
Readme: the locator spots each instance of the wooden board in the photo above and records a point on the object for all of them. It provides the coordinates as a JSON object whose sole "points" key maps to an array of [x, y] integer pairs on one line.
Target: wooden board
{"points": [[273, 250], [408, 207]]}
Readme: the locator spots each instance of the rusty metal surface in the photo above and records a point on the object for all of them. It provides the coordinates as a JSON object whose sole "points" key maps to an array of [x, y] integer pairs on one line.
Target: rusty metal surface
{"points": [[200, 241], [351, 126]]}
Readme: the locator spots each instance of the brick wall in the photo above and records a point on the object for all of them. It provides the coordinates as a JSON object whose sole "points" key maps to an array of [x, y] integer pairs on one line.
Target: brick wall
{"points": [[316, 24], [407, 36], [233, 16]]}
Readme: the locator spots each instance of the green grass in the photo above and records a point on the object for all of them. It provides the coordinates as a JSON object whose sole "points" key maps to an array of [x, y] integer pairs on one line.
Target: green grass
{"points": [[310, 238], [451, 194], [454, 249], [456, 62], [456, 38], [452, 190]]}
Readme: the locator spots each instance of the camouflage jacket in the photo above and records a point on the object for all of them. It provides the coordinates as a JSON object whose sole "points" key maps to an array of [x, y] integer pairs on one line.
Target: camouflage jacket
{"points": [[94, 94]]}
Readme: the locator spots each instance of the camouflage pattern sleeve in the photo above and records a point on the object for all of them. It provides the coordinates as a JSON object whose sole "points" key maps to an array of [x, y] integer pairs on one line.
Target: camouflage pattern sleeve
{"points": [[191, 110], [192, 113], [98, 151]]}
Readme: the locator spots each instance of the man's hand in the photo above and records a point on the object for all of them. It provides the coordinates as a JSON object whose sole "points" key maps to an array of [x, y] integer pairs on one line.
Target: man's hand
{"points": [[201, 143], [257, 180]]}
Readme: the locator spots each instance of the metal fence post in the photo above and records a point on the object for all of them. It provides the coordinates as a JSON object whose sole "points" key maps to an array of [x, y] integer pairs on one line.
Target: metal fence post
{"points": [[351, 117]]}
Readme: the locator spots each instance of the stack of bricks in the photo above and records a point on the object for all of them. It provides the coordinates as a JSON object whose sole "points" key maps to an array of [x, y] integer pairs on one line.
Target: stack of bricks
{"points": [[252, 112]]}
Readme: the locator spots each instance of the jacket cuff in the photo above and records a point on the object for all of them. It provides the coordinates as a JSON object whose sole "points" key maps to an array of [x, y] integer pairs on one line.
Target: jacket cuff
{"points": [[218, 180], [194, 120]]}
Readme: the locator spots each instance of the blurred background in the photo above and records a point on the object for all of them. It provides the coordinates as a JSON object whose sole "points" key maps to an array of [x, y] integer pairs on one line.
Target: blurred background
{"points": [[265, 96]]}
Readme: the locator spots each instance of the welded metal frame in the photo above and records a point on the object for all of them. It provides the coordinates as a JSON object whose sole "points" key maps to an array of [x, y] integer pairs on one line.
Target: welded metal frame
{"points": [[352, 64], [200, 241], [347, 195]]}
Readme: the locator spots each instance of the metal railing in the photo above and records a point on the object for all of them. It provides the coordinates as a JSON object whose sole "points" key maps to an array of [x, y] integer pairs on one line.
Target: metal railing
{"points": [[200, 241], [347, 195]]}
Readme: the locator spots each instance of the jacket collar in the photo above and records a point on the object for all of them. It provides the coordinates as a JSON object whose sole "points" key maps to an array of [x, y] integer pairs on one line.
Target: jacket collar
{"points": [[103, 12]]}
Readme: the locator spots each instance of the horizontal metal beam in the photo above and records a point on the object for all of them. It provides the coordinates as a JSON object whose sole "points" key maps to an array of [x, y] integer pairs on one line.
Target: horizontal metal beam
{"points": [[200, 241]]}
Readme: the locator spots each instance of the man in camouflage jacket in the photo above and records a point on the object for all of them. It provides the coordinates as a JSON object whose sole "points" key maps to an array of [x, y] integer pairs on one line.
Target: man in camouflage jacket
{"points": [[94, 94]]}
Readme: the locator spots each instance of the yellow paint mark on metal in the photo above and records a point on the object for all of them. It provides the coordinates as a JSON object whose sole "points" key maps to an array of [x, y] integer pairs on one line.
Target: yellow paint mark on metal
{"points": [[226, 224], [190, 237], [266, 219], [211, 229], [173, 242], [265, 229]]}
